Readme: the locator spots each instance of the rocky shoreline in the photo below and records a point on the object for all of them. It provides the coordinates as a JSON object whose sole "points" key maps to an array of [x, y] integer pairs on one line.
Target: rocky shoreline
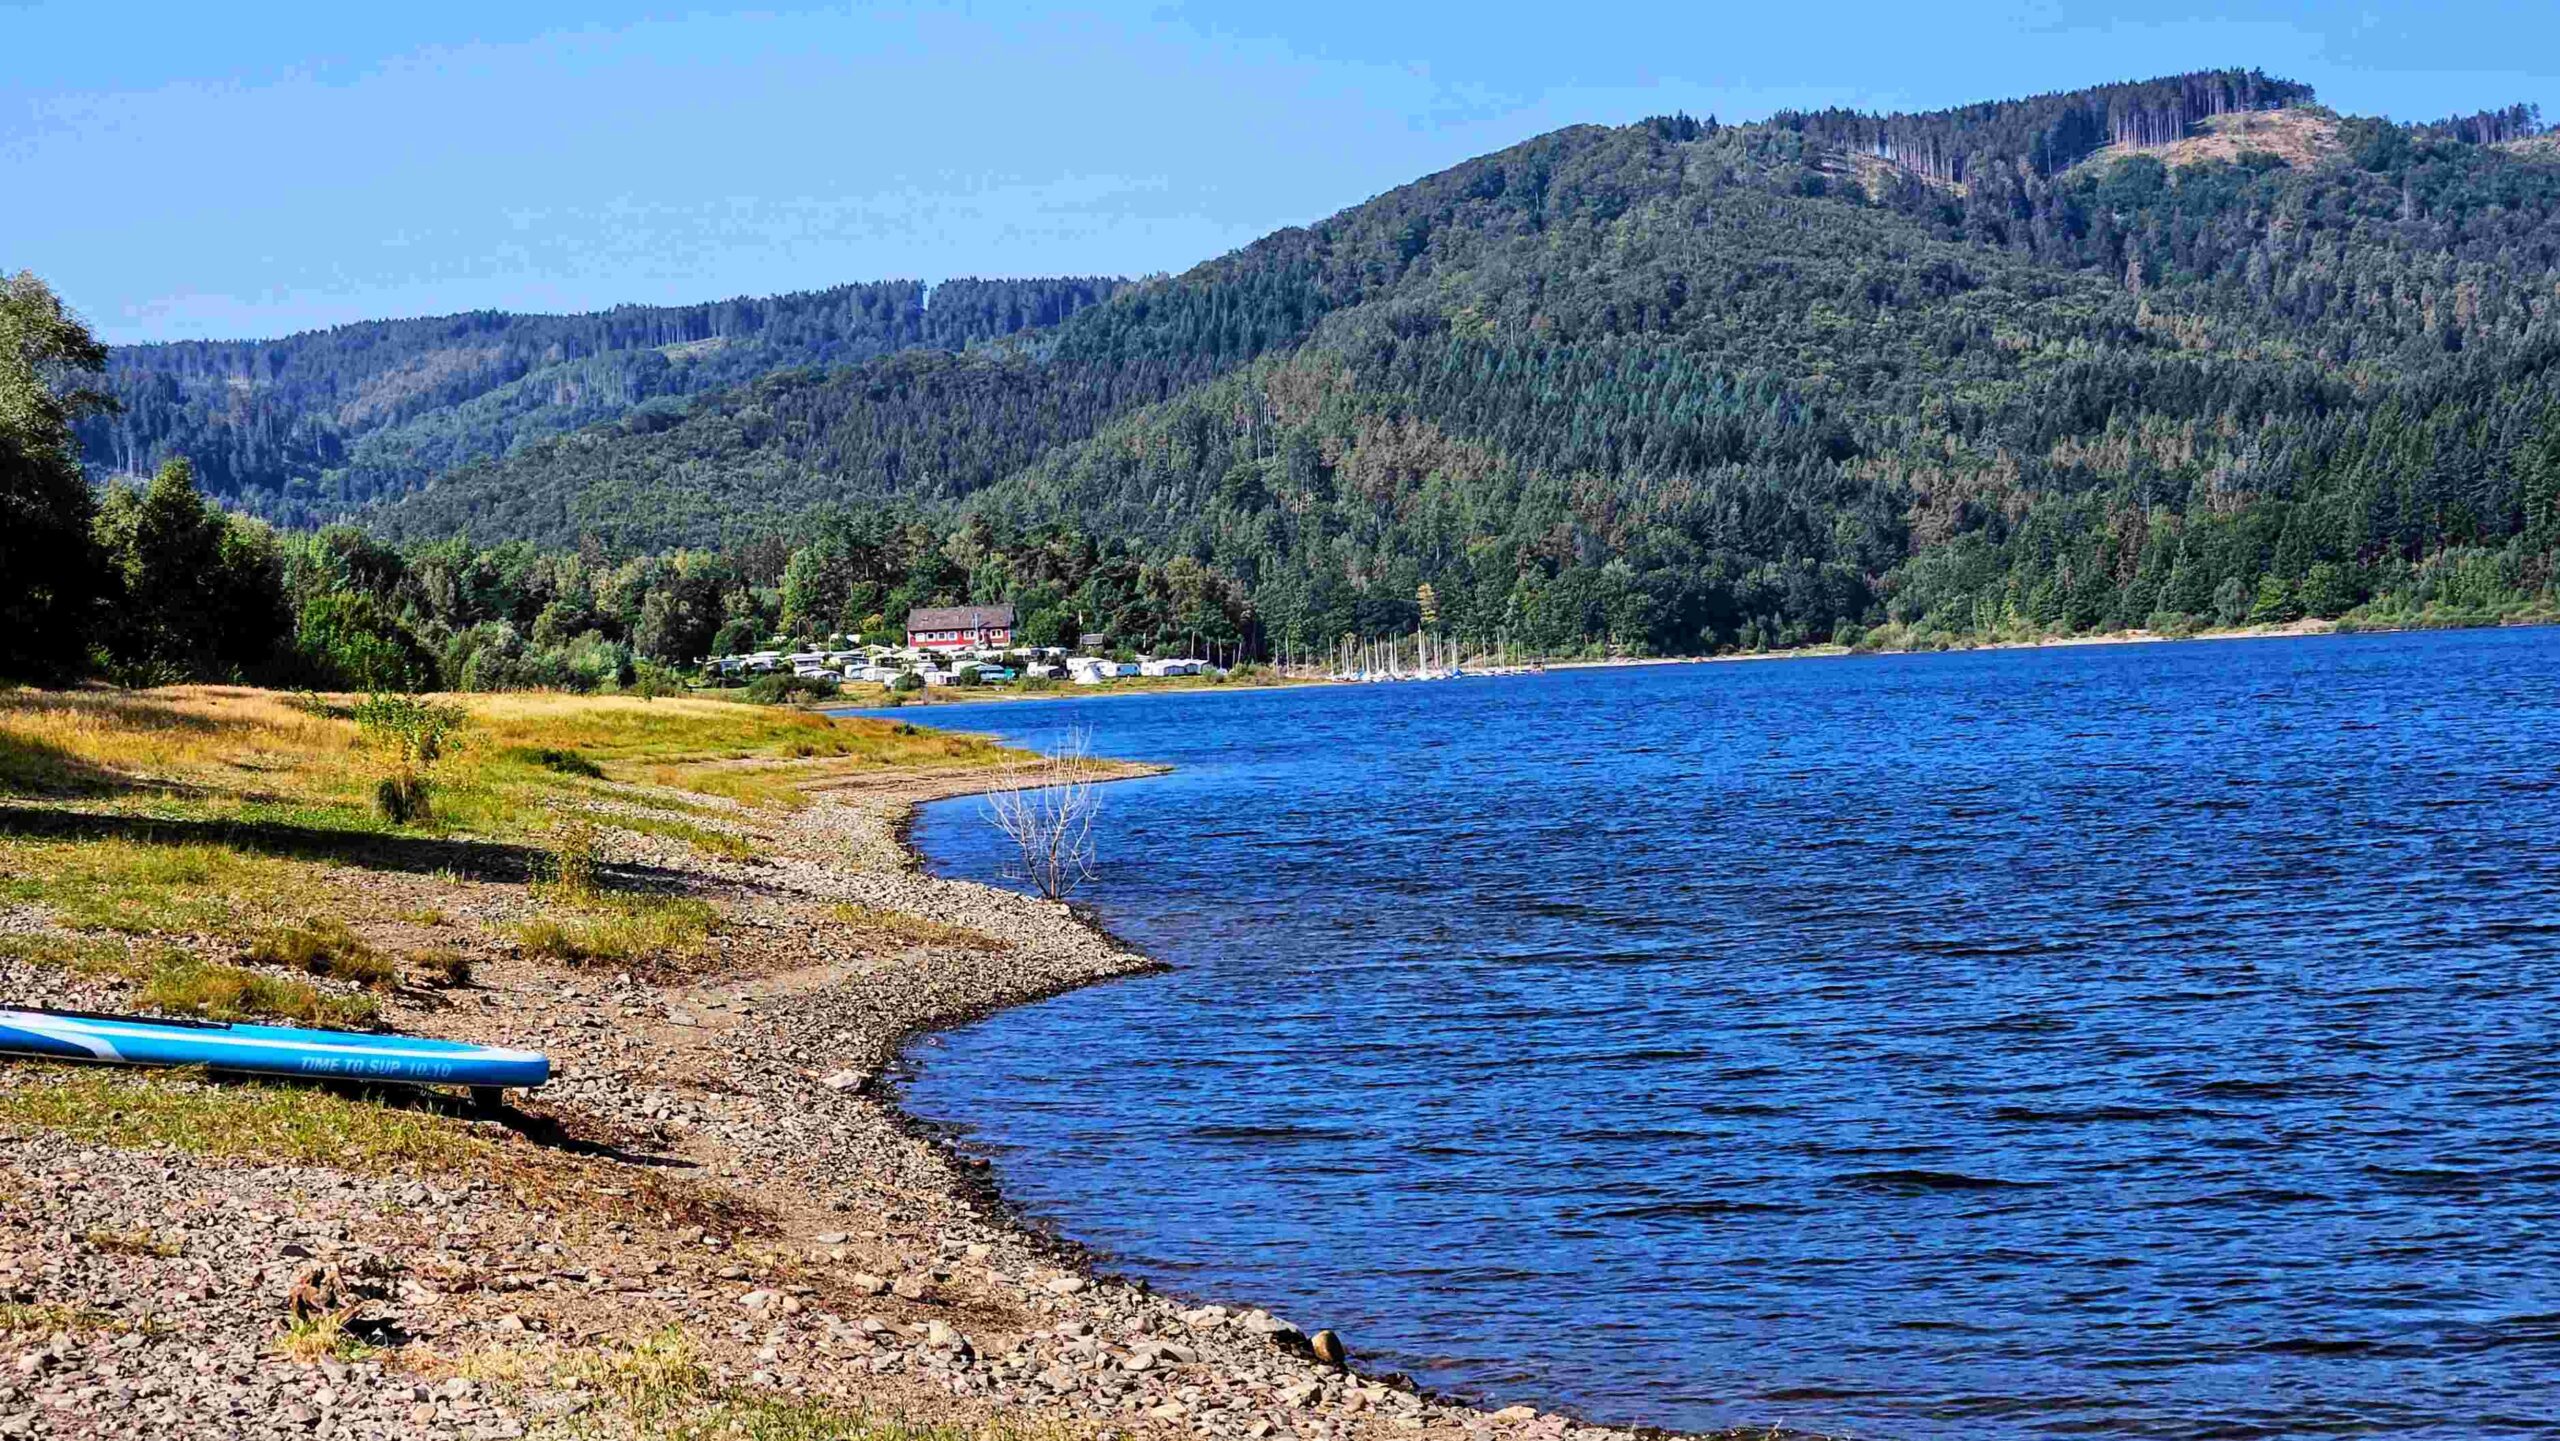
{"points": [[717, 1172]]}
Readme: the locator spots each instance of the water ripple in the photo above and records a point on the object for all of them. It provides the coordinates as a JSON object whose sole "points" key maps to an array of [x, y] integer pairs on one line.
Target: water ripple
{"points": [[2130, 1041]]}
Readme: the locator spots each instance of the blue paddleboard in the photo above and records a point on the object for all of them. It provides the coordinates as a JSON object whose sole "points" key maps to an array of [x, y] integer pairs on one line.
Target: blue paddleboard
{"points": [[265, 1050]]}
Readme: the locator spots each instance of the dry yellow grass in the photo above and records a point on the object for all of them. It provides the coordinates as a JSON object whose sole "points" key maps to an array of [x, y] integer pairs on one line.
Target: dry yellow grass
{"points": [[139, 1241], [189, 824], [226, 735], [48, 1319], [611, 729], [239, 753]]}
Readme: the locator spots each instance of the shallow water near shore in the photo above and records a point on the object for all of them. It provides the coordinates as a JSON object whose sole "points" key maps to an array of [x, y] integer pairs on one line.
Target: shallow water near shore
{"points": [[2137, 1040]]}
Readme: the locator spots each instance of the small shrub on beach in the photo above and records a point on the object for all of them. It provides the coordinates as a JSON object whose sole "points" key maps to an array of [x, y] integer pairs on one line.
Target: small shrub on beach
{"points": [[777, 689], [572, 864], [323, 1338], [1050, 820], [649, 681], [411, 735]]}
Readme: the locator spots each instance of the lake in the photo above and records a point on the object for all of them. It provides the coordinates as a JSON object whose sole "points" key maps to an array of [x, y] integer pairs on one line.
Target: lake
{"points": [[2144, 1040]]}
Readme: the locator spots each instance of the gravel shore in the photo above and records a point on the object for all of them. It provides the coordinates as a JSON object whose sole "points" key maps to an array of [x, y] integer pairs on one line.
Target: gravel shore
{"points": [[716, 1170]]}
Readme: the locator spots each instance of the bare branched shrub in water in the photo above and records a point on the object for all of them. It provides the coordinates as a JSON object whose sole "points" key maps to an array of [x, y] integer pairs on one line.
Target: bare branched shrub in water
{"points": [[1050, 819]]}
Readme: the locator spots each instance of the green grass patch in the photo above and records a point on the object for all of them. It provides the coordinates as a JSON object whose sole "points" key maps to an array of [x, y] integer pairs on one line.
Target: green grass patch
{"points": [[915, 930], [323, 1338], [132, 1243], [143, 888], [441, 966], [763, 787], [217, 992], [290, 1124], [324, 947], [45, 1320], [722, 844], [174, 982], [607, 929], [110, 956]]}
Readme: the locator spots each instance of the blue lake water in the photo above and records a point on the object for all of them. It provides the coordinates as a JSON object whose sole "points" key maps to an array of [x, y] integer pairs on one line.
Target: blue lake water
{"points": [[2130, 1041]]}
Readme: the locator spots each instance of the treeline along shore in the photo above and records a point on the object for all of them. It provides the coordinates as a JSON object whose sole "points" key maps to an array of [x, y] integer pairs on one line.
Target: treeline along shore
{"points": [[715, 1222]]}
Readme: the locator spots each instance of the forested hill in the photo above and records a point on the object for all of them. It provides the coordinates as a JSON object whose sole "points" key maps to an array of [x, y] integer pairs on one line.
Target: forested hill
{"points": [[314, 426], [2186, 350]]}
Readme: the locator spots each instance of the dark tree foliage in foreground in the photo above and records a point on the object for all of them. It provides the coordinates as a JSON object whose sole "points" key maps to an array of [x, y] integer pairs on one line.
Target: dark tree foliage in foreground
{"points": [[190, 590], [48, 574]]}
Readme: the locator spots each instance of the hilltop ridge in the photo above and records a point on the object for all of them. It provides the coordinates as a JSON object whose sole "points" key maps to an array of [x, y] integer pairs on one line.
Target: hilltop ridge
{"points": [[311, 426]]}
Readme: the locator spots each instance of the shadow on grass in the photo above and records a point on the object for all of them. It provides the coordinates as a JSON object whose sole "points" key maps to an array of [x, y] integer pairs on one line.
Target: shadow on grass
{"points": [[373, 850], [36, 768], [480, 860], [544, 1130]]}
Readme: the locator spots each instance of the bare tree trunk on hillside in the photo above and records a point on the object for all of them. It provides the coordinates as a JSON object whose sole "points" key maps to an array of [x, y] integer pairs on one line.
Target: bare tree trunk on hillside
{"points": [[1050, 819]]}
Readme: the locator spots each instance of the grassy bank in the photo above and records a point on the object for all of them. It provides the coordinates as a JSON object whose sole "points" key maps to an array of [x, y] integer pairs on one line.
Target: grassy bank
{"points": [[223, 852]]}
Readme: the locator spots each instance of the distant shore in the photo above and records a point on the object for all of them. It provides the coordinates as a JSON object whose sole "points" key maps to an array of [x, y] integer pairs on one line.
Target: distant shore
{"points": [[2294, 630]]}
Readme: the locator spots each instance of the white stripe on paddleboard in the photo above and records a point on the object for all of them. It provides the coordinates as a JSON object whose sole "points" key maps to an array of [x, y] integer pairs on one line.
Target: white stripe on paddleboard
{"points": [[98, 1032]]}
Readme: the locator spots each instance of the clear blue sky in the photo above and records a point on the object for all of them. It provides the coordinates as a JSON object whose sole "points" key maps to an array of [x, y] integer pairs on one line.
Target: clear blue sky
{"points": [[214, 170]]}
